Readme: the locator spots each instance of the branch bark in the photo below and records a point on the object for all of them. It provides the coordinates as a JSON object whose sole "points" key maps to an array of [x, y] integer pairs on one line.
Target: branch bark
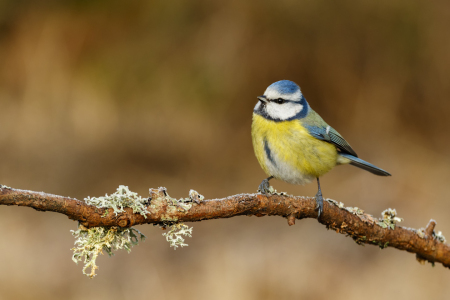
{"points": [[362, 227]]}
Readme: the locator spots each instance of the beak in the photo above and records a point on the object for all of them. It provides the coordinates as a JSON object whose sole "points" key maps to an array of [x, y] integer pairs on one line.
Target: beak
{"points": [[262, 99]]}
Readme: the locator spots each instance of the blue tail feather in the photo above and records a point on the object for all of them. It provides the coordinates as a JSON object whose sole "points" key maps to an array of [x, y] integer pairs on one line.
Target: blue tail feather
{"points": [[357, 162]]}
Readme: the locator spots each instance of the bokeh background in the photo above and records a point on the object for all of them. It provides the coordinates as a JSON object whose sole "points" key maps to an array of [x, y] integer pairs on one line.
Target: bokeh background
{"points": [[94, 94]]}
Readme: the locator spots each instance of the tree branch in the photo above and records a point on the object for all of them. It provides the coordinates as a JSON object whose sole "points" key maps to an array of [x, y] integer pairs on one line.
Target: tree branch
{"points": [[353, 222]]}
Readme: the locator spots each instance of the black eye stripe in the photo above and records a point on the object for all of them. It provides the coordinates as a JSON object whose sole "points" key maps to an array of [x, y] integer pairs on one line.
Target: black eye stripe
{"points": [[281, 101]]}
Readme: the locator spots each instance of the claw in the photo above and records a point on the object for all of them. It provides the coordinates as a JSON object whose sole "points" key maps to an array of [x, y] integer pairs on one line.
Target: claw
{"points": [[319, 200], [264, 187], [319, 204]]}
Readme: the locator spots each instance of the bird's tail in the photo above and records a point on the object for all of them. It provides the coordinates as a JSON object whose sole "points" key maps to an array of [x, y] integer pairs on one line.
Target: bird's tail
{"points": [[357, 162]]}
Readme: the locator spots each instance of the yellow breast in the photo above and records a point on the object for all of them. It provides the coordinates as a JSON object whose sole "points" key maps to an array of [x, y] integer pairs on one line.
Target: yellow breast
{"points": [[288, 152]]}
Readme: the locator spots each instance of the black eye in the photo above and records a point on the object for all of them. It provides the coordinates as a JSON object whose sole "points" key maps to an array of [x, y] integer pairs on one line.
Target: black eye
{"points": [[279, 101]]}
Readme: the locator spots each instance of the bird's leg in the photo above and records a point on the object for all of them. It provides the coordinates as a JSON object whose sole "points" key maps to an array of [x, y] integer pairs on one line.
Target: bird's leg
{"points": [[319, 200], [264, 186]]}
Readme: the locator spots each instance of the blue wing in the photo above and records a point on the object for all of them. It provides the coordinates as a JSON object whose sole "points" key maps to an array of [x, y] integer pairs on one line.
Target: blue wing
{"points": [[328, 134]]}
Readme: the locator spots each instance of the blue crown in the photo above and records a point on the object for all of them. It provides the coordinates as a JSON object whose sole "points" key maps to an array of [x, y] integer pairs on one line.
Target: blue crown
{"points": [[284, 87]]}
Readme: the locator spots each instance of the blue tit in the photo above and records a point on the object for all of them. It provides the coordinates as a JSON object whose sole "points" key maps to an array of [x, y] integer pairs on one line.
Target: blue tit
{"points": [[294, 144]]}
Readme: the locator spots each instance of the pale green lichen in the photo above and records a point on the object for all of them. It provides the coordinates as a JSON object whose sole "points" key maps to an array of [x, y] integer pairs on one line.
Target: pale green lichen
{"points": [[334, 202], [381, 245], [2, 186], [354, 210], [360, 240], [90, 243], [168, 219], [389, 218], [194, 196], [272, 191], [183, 204], [175, 235], [438, 236], [122, 198], [420, 232]]}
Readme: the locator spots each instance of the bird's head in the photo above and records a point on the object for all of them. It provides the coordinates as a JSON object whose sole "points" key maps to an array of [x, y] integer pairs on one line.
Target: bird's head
{"points": [[282, 101]]}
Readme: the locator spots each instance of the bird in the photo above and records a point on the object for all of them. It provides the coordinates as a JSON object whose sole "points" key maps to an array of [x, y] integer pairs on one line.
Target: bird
{"points": [[294, 144]]}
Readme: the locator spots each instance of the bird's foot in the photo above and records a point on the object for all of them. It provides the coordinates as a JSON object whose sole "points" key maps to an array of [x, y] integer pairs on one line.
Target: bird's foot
{"points": [[265, 187], [319, 204]]}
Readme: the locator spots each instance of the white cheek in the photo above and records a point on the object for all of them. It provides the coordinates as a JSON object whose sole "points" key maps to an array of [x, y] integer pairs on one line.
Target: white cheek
{"points": [[283, 111]]}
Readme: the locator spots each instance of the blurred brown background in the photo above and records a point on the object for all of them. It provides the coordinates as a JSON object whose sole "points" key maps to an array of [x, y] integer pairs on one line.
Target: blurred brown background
{"points": [[94, 94]]}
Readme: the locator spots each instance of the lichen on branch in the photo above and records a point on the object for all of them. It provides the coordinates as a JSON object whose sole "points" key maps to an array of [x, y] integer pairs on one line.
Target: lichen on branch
{"points": [[389, 219], [165, 211], [175, 235], [122, 198], [91, 242]]}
